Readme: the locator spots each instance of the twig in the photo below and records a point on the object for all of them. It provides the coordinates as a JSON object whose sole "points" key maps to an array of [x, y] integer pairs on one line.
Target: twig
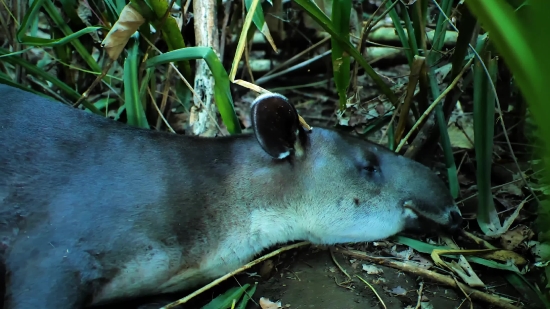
{"points": [[488, 298], [433, 105], [465, 294], [419, 295], [231, 274], [337, 264], [374, 290]]}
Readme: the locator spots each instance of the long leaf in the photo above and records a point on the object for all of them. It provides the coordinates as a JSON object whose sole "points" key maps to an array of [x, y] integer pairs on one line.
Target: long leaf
{"points": [[222, 92]]}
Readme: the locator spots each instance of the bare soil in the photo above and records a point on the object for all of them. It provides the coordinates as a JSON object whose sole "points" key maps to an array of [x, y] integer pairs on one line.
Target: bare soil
{"points": [[308, 278], [313, 280]]}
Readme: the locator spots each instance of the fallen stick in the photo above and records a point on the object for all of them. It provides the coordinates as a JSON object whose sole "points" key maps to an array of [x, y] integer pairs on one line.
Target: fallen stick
{"points": [[475, 294], [233, 273]]}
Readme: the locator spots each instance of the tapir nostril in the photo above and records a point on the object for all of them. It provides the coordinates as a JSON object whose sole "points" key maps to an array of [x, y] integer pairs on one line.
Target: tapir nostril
{"points": [[456, 219]]}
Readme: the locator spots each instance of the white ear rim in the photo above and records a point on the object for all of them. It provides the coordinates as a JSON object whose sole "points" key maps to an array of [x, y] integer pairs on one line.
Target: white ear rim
{"points": [[284, 155], [268, 95]]}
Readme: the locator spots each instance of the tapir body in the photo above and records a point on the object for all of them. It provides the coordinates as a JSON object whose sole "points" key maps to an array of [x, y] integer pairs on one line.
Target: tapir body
{"points": [[94, 211]]}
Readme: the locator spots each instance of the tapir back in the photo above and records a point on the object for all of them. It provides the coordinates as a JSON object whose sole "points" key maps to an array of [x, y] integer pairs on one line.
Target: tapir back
{"points": [[73, 173]]}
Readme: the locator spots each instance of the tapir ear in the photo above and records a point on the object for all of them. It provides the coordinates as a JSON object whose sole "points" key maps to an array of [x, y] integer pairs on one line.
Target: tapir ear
{"points": [[276, 125]]}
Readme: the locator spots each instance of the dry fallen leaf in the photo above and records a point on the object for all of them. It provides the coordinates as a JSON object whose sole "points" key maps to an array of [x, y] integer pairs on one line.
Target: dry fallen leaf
{"points": [[513, 238], [267, 268], [422, 261], [372, 270], [265, 303], [84, 12], [398, 290], [127, 24], [405, 254], [466, 273], [461, 132]]}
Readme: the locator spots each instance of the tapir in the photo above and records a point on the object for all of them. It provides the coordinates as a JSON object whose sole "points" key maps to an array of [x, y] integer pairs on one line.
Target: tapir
{"points": [[94, 211]]}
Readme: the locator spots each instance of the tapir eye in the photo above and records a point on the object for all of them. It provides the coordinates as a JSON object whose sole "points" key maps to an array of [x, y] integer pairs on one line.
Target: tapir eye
{"points": [[369, 163], [370, 169]]}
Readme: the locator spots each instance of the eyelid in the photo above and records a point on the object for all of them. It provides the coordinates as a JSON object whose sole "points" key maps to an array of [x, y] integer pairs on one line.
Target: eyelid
{"points": [[370, 168]]}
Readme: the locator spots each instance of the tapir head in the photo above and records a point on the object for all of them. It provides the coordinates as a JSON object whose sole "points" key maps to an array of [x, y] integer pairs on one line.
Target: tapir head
{"points": [[352, 190]]}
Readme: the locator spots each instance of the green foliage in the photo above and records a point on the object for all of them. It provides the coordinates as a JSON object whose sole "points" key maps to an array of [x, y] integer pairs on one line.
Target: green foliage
{"points": [[484, 115], [135, 78], [517, 30], [225, 300], [222, 92], [316, 14], [132, 101], [341, 10]]}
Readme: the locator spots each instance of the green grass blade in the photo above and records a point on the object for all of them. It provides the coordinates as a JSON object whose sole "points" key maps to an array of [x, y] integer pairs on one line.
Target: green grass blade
{"points": [[70, 37], [247, 297], [440, 31], [258, 15], [316, 14], [134, 108], [170, 33], [411, 34], [37, 72], [341, 10], [465, 32], [452, 174], [222, 92], [30, 17], [484, 108], [403, 37], [224, 300], [437, 45], [419, 13]]}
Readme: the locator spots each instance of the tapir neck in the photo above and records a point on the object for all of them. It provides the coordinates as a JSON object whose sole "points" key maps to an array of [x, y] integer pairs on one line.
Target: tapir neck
{"points": [[265, 228], [250, 197]]}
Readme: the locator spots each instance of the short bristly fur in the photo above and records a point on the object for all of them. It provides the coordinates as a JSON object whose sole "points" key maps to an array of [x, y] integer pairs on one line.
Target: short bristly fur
{"points": [[94, 211]]}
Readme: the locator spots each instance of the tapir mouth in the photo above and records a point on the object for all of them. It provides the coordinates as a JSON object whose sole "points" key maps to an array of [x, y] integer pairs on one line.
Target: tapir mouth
{"points": [[449, 220], [456, 220]]}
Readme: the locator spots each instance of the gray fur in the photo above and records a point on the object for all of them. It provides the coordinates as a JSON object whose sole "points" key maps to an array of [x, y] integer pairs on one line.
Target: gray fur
{"points": [[92, 210]]}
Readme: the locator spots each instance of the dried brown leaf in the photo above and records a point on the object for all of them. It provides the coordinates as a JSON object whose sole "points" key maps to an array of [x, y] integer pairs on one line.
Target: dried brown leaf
{"points": [[127, 24]]}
